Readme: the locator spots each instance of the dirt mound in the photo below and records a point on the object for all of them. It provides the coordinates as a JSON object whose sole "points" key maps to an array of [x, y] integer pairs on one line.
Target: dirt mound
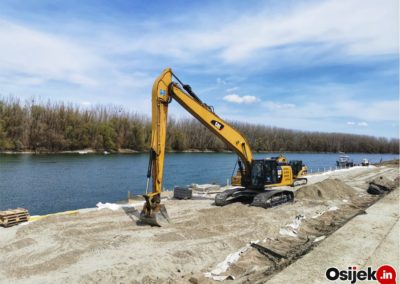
{"points": [[327, 190], [256, 266], [385, 182], [105, 246], [390, 164]]}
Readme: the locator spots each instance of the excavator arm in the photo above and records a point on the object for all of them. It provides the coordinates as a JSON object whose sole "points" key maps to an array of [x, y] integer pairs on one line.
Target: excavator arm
{"points": [[164, 90]]}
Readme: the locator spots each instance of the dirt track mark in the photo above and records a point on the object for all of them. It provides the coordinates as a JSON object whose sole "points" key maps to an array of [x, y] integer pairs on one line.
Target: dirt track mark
{"points": [[18, 245]]}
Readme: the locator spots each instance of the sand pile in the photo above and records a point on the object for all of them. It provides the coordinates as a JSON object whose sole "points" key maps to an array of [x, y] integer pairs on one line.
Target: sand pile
{"points": [[106, 246], [205, 187], [327, 190], [391, 163], [385, 182], [311, 230]]}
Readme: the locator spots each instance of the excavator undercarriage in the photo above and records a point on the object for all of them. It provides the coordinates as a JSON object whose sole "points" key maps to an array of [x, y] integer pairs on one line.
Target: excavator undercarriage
{"points": [[264, 199]]}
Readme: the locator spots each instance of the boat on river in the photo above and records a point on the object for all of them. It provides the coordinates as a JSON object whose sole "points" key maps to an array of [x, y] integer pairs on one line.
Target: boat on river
{"points": [[344, 161], [365, 162]]}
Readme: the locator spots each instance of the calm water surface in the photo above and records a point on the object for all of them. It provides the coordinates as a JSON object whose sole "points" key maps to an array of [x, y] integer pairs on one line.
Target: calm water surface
{"points": [[52, 183]]}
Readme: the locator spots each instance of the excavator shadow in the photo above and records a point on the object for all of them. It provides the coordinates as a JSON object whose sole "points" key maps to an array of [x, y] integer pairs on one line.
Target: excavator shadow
{"points": [[242, 199], [134, 215]]}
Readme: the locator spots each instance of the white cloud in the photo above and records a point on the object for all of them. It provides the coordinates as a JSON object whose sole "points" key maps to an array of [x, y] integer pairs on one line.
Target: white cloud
{"points": [[231, 90], [278, 106], [339, 101], [350, 28], [221, 81], [342, 101], [37, 57], [134, 80], [33, 57], [364, 27], [117, 65], [378, 111], [234, 98], [362, 123]]}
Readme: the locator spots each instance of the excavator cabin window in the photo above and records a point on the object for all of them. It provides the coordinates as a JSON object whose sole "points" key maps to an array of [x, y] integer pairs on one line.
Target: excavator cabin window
{"points": [[263, 172]]}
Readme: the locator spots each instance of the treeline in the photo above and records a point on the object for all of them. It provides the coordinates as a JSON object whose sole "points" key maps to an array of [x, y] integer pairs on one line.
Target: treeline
{"points": [[54, 127]]}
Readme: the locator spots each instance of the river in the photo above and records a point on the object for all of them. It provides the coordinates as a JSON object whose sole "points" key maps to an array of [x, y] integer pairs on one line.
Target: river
{"points": [[53, 183]]}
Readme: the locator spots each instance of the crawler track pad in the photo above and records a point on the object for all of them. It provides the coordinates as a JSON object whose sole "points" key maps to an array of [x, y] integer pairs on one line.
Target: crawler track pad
{"points": [[272, 198]]}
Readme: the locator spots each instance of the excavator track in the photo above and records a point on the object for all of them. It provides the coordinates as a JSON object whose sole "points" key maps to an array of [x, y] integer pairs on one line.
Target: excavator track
{"points": [[223, 198], [264, 199], [272, 198]]}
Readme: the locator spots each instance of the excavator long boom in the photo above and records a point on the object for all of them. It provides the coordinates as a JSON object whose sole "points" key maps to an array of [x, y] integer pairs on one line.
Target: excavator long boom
{"points": [[164, 90]]}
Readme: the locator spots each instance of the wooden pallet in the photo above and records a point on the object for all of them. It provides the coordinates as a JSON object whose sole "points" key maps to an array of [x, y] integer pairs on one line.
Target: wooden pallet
{"points": [[13, 217]]}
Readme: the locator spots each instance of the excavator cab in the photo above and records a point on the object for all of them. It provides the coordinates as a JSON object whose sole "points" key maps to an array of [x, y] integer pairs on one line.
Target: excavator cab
{"points": [[270, 172], [262, 184], [264, 172]]}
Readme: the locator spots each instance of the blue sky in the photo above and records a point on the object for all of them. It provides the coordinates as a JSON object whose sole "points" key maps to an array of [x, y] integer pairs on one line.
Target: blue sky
{"points": [[330, 66]]}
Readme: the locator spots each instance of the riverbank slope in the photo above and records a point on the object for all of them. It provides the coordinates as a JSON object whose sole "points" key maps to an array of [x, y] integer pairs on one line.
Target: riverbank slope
{"points": [[202, 243]]}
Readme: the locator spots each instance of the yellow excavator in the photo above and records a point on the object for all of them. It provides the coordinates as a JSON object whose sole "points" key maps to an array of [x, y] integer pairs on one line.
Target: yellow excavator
{"points": [[254, 178]]}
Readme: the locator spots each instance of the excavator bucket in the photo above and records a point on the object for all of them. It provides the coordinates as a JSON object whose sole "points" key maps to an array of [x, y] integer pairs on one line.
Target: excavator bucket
{"points": [[154, 213], [159, 218]]}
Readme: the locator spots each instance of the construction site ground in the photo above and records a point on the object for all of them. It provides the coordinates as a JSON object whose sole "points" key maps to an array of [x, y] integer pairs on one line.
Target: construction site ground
{"points": [[331, 223], [368, 240]]}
